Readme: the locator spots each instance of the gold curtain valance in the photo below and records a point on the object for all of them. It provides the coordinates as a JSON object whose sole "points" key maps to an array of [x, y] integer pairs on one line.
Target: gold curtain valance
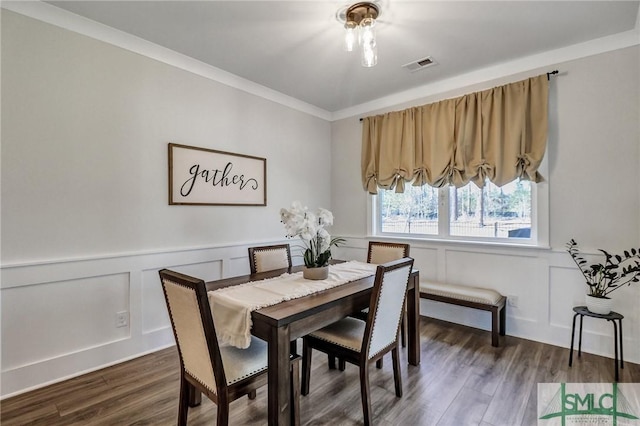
{"points": [[499, 134]]}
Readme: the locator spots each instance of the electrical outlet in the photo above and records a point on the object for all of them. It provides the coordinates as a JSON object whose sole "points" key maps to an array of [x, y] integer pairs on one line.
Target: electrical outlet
{"points": [[512, 301], [122, 319]]}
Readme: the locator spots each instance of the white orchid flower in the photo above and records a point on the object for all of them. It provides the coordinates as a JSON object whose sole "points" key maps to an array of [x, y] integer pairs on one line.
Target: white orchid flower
{"points": [[309, 226], [324, 239], [325, 217]]}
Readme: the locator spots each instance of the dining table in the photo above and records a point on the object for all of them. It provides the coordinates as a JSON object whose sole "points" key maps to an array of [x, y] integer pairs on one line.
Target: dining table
{"points": [[281, 324]]}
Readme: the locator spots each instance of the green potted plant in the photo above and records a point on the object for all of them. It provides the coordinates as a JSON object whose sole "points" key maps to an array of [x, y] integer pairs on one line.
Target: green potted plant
{"points": [[602, 279]]}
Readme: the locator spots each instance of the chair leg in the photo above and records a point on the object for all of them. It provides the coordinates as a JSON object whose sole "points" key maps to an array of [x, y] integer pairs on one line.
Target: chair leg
{"points": [[379, 364], [397, 378], [295, 392], [342, 364], [331, 360], [183, 405], [494, 328], [252, 394], [365, 393], [195, 396], [306, 366], [223, 412], [403, 329]]}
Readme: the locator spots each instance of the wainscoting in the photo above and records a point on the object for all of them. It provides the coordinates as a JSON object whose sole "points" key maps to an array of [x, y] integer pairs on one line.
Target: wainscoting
{"points": [[544, 284], [59, 317]]}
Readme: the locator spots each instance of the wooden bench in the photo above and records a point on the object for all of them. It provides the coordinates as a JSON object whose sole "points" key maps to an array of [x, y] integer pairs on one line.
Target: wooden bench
{"points": [[471, 297]]}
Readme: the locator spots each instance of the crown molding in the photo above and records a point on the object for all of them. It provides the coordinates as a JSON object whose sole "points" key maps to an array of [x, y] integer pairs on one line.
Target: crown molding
{"points": [[72, 22], [61, 18]]}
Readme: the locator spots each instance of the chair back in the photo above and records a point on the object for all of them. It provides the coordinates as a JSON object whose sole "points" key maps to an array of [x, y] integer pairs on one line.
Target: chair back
{"points": [[268, 258], [383, 252], [193, 328], [386, 306]]}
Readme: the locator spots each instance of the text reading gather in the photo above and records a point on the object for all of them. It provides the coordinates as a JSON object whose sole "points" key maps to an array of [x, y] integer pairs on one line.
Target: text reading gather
{"points": [[217, 178]]}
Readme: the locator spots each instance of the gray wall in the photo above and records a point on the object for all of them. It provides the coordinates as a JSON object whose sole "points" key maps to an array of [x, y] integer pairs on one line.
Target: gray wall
{"points": [[593, 175], [85, 222], [85, 217]]}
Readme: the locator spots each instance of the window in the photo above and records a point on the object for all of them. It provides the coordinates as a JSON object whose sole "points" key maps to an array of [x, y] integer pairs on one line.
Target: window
{"points": [[492, 213]]}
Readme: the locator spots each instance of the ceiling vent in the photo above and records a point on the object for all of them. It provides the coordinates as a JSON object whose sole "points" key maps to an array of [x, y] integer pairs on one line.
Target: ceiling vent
{"points": [[420, 64]]}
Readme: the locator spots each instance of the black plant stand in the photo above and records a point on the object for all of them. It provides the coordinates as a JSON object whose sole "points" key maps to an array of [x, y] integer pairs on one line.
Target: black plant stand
{"points": [[611, 316]]}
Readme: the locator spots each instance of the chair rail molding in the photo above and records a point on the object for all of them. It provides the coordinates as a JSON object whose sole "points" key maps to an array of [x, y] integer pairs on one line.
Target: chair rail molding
{"points": [[59, 315]]}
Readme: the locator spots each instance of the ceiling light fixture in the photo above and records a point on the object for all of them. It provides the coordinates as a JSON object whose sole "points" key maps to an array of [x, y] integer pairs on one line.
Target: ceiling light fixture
{"points": [[359, 22]]}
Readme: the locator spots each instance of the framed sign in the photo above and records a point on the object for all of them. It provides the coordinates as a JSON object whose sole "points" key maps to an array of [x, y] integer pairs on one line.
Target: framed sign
{"points": [[200, 176]]}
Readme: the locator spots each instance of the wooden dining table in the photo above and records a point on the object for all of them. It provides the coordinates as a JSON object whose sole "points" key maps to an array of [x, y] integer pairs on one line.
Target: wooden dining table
{"points": [[283, 323]]}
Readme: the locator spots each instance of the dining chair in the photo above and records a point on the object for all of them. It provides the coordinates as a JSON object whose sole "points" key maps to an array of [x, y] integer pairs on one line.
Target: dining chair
{"points": [[381, 252], [362, 343], [222, 373], [268, 258]]}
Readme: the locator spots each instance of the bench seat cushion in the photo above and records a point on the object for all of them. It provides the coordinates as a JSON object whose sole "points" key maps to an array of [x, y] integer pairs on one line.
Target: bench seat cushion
{"points": [[460, 292]]}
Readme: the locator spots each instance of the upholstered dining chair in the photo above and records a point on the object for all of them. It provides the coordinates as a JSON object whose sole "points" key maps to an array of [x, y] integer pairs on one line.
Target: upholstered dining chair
{"points": [[362, 343], [268, 258], [222, 373], [381, 252]]}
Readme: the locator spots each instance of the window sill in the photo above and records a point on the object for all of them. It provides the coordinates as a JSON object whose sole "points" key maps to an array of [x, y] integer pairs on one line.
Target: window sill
{"points": [[459, 241]]}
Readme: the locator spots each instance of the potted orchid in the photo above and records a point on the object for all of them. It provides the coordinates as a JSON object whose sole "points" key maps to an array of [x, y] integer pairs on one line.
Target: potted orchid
{"points": [[310, 227], [602, 279]]}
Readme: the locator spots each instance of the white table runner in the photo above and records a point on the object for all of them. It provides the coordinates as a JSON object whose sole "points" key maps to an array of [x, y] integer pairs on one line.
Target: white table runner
{"points": [[231, 307]]}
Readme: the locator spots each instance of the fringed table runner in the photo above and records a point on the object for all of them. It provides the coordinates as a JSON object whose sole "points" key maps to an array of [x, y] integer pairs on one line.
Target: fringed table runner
{"points": [[232, 306]]}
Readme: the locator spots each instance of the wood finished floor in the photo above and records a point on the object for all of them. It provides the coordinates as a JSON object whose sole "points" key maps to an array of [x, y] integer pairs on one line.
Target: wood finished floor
{"points": [[462, 380]]}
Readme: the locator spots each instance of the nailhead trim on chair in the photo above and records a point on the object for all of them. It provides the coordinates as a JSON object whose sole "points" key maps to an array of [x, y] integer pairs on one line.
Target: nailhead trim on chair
{"points": [[200, 381], [249, 374]]}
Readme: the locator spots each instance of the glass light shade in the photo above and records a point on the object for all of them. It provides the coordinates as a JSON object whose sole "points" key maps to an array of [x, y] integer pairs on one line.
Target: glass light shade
{"points": [[367, 31], [369, 54], [350, 35], [368, 42]]}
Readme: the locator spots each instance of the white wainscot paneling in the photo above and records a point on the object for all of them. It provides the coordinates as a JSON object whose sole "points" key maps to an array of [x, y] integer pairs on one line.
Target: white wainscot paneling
{"points": [[426, 261], [154, 309], [351, 252], [59, 316], [51, 319], [567, 289], [237, 266], [508, 273]]}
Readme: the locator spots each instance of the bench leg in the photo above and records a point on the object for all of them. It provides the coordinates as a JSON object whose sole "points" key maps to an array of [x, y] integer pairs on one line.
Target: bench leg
{"points": [[495, 325], [503, 320]]}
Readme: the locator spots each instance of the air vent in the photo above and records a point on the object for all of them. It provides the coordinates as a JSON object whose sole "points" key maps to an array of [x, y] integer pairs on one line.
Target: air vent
{"points": [[420, 64]]}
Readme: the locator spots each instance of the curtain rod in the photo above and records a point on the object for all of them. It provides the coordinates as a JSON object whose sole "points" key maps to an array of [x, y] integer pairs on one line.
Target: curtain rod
{"points": [[549, 74]]}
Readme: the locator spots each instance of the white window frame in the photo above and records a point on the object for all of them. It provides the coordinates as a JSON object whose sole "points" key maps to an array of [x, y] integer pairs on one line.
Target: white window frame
{"points": [[539, 220]]}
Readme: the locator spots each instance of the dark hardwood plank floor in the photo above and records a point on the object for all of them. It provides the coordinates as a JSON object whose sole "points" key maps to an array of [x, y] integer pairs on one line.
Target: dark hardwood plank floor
{"points": [[461, 381]]}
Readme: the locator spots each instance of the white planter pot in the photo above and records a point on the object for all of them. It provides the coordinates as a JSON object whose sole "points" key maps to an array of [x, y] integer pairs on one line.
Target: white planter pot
{"points": [[599, 305], [316, 273]]}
